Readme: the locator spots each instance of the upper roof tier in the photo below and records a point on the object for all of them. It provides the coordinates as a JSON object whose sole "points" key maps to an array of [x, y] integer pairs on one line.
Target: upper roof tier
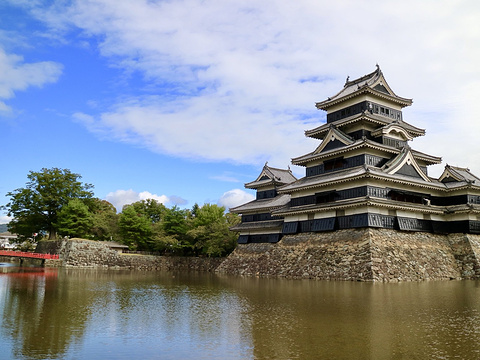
{"points": [[271, 176], [373, 84], [380, 122]]}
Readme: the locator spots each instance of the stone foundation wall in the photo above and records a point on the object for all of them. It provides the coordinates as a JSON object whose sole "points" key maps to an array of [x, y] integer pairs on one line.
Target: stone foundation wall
{"points": [[95, 254], [354, 254], [361, 254]]}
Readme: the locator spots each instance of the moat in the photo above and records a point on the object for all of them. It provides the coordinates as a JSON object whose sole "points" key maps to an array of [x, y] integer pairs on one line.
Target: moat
{"points": [[115, 314]]}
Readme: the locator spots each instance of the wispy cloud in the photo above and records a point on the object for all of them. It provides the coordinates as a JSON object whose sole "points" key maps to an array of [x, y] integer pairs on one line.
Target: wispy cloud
{"points": [[234, 198], [18, 75], [236, 81], [120, 198], [4, 219]]}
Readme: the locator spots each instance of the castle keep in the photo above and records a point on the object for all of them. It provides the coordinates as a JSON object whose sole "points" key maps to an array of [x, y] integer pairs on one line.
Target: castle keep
{"points": [[364, 176]]}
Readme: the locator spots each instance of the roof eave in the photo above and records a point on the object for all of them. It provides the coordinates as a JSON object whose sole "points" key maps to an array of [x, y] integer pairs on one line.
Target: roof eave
{"points": [[326, 104]]}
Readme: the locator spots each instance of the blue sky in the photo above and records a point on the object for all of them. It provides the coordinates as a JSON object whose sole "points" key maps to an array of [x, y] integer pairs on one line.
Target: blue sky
{"points": [[184, 101]]}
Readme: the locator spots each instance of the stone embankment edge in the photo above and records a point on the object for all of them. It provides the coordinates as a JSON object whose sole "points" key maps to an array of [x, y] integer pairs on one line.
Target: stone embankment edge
{"points": [[81, 253], [380, 255]]}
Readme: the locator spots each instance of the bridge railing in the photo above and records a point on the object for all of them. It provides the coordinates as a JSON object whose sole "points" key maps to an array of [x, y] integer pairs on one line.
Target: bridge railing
{"points": [[26, 254]]}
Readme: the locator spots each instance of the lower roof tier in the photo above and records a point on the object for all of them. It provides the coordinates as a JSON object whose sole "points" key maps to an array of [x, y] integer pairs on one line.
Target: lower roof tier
{"points": [[362, 220], [365, 220]]}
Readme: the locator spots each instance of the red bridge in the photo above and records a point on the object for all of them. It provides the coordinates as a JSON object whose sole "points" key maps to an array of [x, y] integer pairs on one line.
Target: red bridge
{"points": [[30, 255]]}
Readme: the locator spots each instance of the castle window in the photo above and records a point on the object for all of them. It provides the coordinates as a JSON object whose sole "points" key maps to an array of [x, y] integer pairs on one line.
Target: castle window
{"points": [[333, 164]]}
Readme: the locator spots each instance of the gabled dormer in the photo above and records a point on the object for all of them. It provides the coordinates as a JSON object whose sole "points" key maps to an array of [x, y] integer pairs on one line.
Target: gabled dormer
{"points": [[334, 139], [393, 134], [458, 174], [405, 164], [269, 180]]}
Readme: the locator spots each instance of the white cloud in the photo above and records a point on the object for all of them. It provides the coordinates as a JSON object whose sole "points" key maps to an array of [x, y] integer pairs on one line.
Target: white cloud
{"points": [[235, 197], [18, 76], [239, 79], [4, 219], [120, 198]]}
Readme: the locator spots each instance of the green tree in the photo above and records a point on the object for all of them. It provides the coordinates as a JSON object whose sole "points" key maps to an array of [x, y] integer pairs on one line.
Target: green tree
{"points": [[150, 208], [135, 229], [75, 219], [211, 230], [105, 220], [35, 207], [176, 224]]}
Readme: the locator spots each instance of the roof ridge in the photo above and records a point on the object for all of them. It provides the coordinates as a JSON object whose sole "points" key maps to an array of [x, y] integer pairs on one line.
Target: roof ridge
{"points": [[376, 72]]}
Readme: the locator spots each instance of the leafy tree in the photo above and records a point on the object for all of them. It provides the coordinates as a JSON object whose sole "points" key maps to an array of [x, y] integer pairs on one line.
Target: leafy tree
{"points": [[35, 207], [75, 219], [105, 220], [211, 230], [151, 208], [166, 244], [135, 228], [176, 224]]}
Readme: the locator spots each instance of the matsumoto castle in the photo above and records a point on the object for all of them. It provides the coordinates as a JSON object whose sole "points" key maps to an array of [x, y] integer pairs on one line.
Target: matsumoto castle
{"points": [[363, 174]]}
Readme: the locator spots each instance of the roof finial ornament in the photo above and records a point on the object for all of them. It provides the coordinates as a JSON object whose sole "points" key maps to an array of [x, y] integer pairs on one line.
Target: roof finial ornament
{"points": [[266, 163], [346, 81]]}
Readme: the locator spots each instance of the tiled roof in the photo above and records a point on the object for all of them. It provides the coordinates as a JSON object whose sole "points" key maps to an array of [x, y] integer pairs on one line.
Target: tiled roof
{"points": [[360, 201], [270, 175], [404, 157], [255, 225], [263, 204], [364, 171], [459, 174], [373, 83], [320, 131], [304, 159]]}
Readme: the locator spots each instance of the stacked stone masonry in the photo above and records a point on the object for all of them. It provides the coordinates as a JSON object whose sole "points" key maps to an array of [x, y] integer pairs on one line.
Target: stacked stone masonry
{"points": [[366, 254], [82, 253]]}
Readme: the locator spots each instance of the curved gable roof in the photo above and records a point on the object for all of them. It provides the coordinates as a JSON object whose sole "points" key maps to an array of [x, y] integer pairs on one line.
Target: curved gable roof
{"points": [[458, 174], [271, 176], [320, 131], [373, 83], [404, 158]]}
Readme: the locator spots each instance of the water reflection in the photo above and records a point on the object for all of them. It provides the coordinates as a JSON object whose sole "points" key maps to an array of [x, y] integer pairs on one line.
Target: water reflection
{"points": [[76, 314], [342, 320]]}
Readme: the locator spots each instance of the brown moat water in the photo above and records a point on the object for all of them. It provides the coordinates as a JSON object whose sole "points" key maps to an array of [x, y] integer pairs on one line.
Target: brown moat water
{"points": [[93, 314]]}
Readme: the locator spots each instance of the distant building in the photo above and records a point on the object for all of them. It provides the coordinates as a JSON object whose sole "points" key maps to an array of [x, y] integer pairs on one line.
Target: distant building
{"points": [[7, 240], [113, 245], [365, 174]]}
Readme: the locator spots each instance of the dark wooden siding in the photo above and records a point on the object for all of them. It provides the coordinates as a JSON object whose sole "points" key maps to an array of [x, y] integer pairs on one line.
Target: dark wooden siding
{"points": [[408, 170], [335, 144], [326, 224], [358, 134], [256, 217], [381, 221], [352, 193], [340, 164], [412, 224], [393, 142], [266, 194], [259, 238], [473, 199], [290, 227], [364, 106], [243, 239]]}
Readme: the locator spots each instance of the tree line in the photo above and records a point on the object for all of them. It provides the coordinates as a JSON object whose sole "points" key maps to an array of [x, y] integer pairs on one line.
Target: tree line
{"points": [[55, 203]]}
